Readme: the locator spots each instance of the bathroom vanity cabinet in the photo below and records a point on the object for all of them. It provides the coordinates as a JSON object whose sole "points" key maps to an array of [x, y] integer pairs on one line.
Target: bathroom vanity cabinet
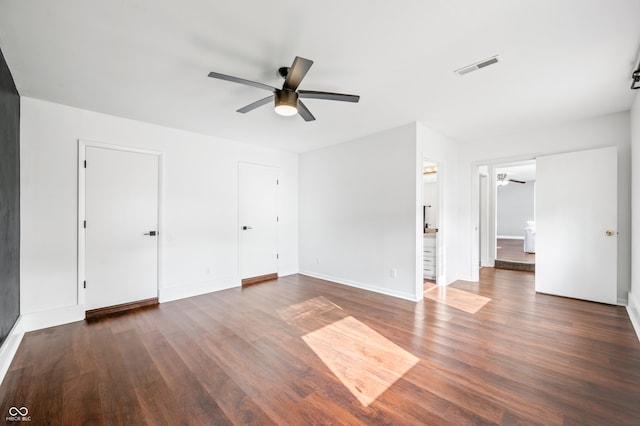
{"points": [[429, 256]]}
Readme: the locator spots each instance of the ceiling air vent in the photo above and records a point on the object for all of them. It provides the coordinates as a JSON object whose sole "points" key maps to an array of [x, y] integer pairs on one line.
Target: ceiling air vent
{"points": [[478, 65]]}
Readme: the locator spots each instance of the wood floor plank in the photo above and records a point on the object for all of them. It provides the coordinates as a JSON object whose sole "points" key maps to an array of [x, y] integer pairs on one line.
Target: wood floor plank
{"points": [[119, 402], [245, 356], [81, 400], [195, 402]]}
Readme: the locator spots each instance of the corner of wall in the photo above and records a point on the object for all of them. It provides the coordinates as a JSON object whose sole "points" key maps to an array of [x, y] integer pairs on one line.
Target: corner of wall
{"points": [[10, 347], [35, 321], [633, 306], [10, 209]]}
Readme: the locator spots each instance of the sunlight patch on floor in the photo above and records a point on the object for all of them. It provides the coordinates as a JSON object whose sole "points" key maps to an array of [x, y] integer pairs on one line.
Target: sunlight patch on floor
{"points": [[312, 308], [366, 362], [459, 299]]}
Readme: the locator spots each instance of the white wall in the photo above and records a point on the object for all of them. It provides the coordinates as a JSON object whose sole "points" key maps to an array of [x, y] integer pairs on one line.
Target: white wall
{"points": [[200, 203], [515, 208], [358, 211], [634, 296], [361, 210], [609, 130]]}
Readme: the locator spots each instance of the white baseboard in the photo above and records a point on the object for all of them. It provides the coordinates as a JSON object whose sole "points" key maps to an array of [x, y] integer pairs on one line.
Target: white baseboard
{"points": [[35, 321], [488, 263], [9, 348], [285, 271], [633, 308], [510, 237], [468, 278], [375, 289], [177, 292], [51, 318]]}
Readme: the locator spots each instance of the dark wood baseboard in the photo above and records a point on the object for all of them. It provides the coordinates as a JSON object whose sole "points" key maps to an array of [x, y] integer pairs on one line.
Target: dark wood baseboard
{"points": [[109, 310], [515, 266], [259, 279]]}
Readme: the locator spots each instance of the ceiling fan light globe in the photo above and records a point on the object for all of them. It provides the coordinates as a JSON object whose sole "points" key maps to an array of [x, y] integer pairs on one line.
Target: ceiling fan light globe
{"points": [[286, 110]]}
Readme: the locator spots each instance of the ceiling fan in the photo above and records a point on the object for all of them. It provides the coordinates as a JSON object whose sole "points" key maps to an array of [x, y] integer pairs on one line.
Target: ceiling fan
{"points": [[287, 99], [502, 179]]}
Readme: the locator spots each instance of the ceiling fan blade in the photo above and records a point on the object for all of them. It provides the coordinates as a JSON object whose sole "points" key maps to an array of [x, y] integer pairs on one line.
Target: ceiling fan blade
{"points": [[304, 112], [296, 73], [312, 94], [241, 81], [517, 181], [256, 104]]}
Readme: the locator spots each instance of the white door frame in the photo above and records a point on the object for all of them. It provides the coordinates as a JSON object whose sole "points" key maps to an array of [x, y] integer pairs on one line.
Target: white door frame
{"points": [[82, 145], [484, 221], [440, 248]]}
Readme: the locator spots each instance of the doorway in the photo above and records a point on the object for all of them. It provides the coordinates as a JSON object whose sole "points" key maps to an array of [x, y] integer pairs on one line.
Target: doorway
{"points": [[575, 224], [515, 215], [119, 227], [431, 224], [506, 215]]}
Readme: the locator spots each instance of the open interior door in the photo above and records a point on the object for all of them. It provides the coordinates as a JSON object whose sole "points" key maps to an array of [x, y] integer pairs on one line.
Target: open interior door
{"points": [[576, 215]]}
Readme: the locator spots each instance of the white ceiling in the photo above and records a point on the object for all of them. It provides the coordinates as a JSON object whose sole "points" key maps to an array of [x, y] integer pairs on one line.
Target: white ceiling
{"points": [[149, 60]]}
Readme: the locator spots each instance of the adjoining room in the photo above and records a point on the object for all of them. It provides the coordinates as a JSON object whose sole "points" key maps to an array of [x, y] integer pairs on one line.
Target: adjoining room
{"points": [[515, 216]]}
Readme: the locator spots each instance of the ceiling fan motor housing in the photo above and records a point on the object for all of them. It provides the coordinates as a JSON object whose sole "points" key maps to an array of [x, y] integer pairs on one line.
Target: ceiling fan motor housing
{"points": [[286, 102]]}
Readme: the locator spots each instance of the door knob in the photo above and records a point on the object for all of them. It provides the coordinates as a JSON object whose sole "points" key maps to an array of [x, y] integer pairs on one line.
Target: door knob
{"points": [[151, 233], [610, 233], [244, 228]]}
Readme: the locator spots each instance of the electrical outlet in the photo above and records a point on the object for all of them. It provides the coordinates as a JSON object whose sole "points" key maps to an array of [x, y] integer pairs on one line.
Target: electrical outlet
{"points": [[317, 260], [394, 272]]}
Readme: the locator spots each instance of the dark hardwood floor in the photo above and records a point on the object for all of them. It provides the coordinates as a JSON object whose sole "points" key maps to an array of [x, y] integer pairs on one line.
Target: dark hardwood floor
{"points": [[512, 250], [302, 351]]}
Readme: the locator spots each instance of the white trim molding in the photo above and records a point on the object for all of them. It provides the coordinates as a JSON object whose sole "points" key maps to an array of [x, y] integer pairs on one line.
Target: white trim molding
{"points": [[633, 308], [51, 318], [9, 348], [385, 291], [177, 292]]}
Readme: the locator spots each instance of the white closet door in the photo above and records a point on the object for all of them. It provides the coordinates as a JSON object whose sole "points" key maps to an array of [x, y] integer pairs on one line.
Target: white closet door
{"points": [[258, 220], [576, 215], [121, 203]]}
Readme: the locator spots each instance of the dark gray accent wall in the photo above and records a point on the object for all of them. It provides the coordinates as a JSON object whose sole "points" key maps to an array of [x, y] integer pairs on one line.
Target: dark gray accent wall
{"points": [[9, 201]]}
